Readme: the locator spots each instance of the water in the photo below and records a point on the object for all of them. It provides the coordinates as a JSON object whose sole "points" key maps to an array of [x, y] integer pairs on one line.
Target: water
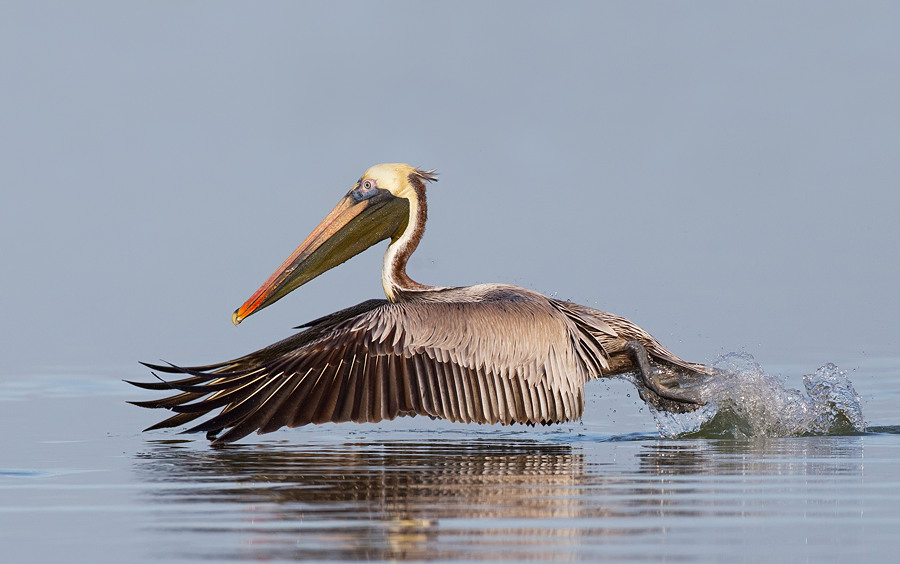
{"points": [[808, 480], [744, 401]]}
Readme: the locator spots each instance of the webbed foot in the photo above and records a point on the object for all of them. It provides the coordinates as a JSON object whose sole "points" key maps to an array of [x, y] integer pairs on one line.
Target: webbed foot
{"points": [[664, 385]]}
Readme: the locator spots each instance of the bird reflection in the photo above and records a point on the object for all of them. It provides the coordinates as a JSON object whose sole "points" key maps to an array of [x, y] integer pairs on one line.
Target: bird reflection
{"points": [[478, 500], [402, 481], [396, 501]]}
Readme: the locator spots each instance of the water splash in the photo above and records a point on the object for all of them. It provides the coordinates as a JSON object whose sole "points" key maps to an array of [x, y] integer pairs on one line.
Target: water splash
{"points": [[744, 401]]}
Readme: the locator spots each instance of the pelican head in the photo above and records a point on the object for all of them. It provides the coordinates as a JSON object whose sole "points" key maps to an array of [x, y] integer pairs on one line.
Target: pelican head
{"points": [[380, 206]]}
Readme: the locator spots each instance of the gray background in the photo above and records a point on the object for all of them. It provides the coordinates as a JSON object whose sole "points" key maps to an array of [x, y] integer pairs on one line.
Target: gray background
{"points": [[723, 174]]}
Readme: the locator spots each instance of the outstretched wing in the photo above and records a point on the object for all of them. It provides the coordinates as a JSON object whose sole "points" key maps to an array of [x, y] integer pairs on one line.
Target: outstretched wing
{"points": [[520, 359]]}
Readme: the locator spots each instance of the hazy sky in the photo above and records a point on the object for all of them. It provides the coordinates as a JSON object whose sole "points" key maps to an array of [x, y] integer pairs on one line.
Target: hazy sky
{"points": [[724, 174]]}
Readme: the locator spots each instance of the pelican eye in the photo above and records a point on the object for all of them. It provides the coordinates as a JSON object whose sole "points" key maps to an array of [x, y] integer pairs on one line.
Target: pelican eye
{"points": [[366, 189]]}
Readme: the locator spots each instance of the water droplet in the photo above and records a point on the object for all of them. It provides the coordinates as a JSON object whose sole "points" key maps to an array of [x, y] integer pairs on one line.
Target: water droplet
{"points": [[743, 400]]}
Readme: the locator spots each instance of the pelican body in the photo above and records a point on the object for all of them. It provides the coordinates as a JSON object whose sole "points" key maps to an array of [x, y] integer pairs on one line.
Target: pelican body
{"points": [[491, 353]]}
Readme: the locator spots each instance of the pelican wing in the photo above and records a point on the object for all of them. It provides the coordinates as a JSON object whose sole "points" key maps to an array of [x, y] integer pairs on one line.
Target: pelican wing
{"points": [[502, 356]]}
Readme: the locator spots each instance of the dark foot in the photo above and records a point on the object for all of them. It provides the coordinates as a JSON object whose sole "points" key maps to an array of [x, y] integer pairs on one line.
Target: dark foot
{"points": [[212, 435], [661, 385]]}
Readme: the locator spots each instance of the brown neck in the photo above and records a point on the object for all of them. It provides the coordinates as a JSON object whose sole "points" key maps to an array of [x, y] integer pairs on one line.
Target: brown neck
{"points": [[397, 283]]}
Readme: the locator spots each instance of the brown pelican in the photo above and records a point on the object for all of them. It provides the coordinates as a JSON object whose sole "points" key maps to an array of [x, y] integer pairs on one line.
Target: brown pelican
{"points": [[491, 353]]}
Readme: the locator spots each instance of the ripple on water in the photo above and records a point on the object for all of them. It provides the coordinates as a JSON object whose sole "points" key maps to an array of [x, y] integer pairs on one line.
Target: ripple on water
{"points": [[744, 401]]}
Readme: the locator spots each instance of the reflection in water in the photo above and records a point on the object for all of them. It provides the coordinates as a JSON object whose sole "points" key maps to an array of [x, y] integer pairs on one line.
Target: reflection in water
{"points": [[374, 501], [474, 499]]}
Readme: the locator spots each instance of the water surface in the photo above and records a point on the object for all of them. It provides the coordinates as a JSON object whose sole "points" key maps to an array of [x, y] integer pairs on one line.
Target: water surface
{"points": [[78, 481]]}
